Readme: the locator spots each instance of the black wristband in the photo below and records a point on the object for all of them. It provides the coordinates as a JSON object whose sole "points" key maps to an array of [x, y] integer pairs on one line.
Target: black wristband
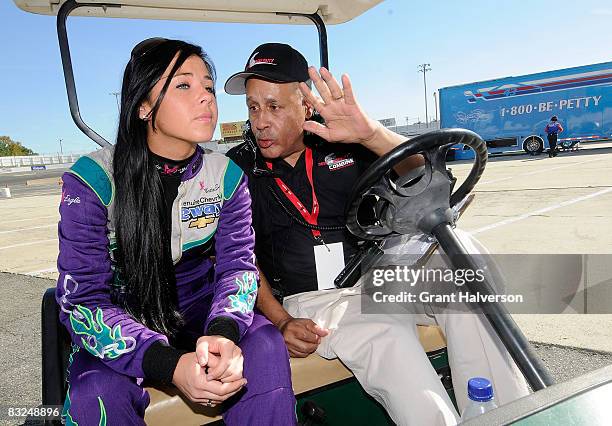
{"points": [[159, 362], [224, 326]]}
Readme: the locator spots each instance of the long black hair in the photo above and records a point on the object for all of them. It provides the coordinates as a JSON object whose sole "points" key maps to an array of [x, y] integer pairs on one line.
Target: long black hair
{"points": [[144, 256]]}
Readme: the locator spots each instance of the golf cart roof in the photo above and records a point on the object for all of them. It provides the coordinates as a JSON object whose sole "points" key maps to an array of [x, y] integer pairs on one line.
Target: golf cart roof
{"points": [[243, 11], [317, 12]]}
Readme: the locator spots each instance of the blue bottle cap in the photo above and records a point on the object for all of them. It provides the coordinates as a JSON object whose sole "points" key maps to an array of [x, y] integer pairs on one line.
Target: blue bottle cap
{"points": [[480, 389]]}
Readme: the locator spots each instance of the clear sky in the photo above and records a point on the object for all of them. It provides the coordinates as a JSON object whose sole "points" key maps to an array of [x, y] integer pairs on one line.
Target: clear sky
{"points": [[464, 41]]}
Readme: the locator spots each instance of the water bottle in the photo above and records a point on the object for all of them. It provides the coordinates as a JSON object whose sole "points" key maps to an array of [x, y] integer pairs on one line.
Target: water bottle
{"points": [[480, 392]]}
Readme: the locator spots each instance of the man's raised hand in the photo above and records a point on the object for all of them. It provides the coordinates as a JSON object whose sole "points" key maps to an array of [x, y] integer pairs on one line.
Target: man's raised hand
{"points": [[345, 121]]}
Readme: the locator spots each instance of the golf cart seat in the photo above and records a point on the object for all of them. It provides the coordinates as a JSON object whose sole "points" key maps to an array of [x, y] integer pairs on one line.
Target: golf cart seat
{"points": [[310, 376]]}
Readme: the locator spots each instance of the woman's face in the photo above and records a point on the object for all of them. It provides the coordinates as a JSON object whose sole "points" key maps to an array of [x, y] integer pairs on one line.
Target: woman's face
{"points": [[188, 112]]}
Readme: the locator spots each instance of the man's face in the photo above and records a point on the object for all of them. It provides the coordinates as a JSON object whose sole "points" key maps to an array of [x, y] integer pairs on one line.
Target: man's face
{"points": [[277, 112]]}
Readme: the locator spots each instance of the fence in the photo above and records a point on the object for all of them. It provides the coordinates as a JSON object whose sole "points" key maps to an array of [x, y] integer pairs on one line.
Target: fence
{"points": [[38, 160], [49, 159]]}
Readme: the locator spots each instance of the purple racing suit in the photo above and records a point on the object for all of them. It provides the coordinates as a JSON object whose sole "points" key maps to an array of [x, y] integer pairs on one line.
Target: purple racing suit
{"points": [[112, 352]]}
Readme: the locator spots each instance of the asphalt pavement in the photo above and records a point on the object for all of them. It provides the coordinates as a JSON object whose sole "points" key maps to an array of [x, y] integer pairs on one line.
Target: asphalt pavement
{"points": [[20, 178], [42, 182]]}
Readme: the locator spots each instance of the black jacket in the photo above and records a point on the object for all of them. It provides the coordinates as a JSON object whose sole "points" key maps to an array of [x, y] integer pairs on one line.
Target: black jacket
{"points": [[284, 247]]}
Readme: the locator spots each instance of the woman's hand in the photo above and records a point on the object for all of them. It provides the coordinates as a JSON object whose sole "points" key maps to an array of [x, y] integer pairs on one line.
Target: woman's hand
{"points": [[222, 358], [190, 378]]}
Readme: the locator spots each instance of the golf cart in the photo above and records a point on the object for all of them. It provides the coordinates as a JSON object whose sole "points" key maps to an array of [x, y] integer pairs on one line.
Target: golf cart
{"points": [[423, 202]]}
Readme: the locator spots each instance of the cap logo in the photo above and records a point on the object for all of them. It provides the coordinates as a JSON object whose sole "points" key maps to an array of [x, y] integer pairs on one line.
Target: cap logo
{"points": [[255, 61]]}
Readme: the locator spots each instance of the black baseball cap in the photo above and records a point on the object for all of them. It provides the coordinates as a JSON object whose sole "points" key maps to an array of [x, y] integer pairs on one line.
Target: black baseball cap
{"points": [[276, 62]]}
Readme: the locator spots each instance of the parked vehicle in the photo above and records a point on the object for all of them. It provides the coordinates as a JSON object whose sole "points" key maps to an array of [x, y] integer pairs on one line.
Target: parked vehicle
{"points": [[510, 113]]}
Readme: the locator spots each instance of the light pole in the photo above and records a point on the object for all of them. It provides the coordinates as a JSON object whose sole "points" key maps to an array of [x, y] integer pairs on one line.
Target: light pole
{"points": [[435, 95], [61, 148], [424, 68], [116, 95]]}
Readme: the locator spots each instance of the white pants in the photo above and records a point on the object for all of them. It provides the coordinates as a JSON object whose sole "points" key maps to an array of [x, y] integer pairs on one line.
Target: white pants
{"points": [[385, 355]]}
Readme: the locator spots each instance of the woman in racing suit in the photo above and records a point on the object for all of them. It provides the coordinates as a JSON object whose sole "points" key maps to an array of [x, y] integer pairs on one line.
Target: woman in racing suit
{"points": [[157, 275]]}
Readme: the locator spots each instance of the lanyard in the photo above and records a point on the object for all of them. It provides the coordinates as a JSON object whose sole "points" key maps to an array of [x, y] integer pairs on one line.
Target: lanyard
{"points": [[310, 217]]}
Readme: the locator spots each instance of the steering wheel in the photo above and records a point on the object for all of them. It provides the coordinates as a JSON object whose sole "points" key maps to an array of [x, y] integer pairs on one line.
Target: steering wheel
{"points": [[419, 200]]}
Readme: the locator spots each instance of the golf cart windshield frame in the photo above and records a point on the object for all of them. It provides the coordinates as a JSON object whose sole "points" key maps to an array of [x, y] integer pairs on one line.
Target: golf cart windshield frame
{"points": [[73, 102]]}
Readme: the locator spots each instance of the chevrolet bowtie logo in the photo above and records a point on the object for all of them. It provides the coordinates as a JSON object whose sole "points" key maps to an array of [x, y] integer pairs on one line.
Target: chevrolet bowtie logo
{"points": [[202, 222]]}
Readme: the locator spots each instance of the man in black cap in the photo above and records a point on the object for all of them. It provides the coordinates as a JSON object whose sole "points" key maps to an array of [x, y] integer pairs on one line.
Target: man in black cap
{"points": [[299, 185], [286, 145]]}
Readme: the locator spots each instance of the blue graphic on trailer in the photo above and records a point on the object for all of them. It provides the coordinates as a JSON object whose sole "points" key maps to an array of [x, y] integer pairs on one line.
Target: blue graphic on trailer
{"points": [[513, 109], [527, 87]]}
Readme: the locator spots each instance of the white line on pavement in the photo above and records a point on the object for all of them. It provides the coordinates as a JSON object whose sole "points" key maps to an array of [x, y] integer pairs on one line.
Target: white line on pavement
{"points": [[41, 271], [33, 218], [22, 174], [540, 211], [27, 244], [539, 171], [29, 229]]}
